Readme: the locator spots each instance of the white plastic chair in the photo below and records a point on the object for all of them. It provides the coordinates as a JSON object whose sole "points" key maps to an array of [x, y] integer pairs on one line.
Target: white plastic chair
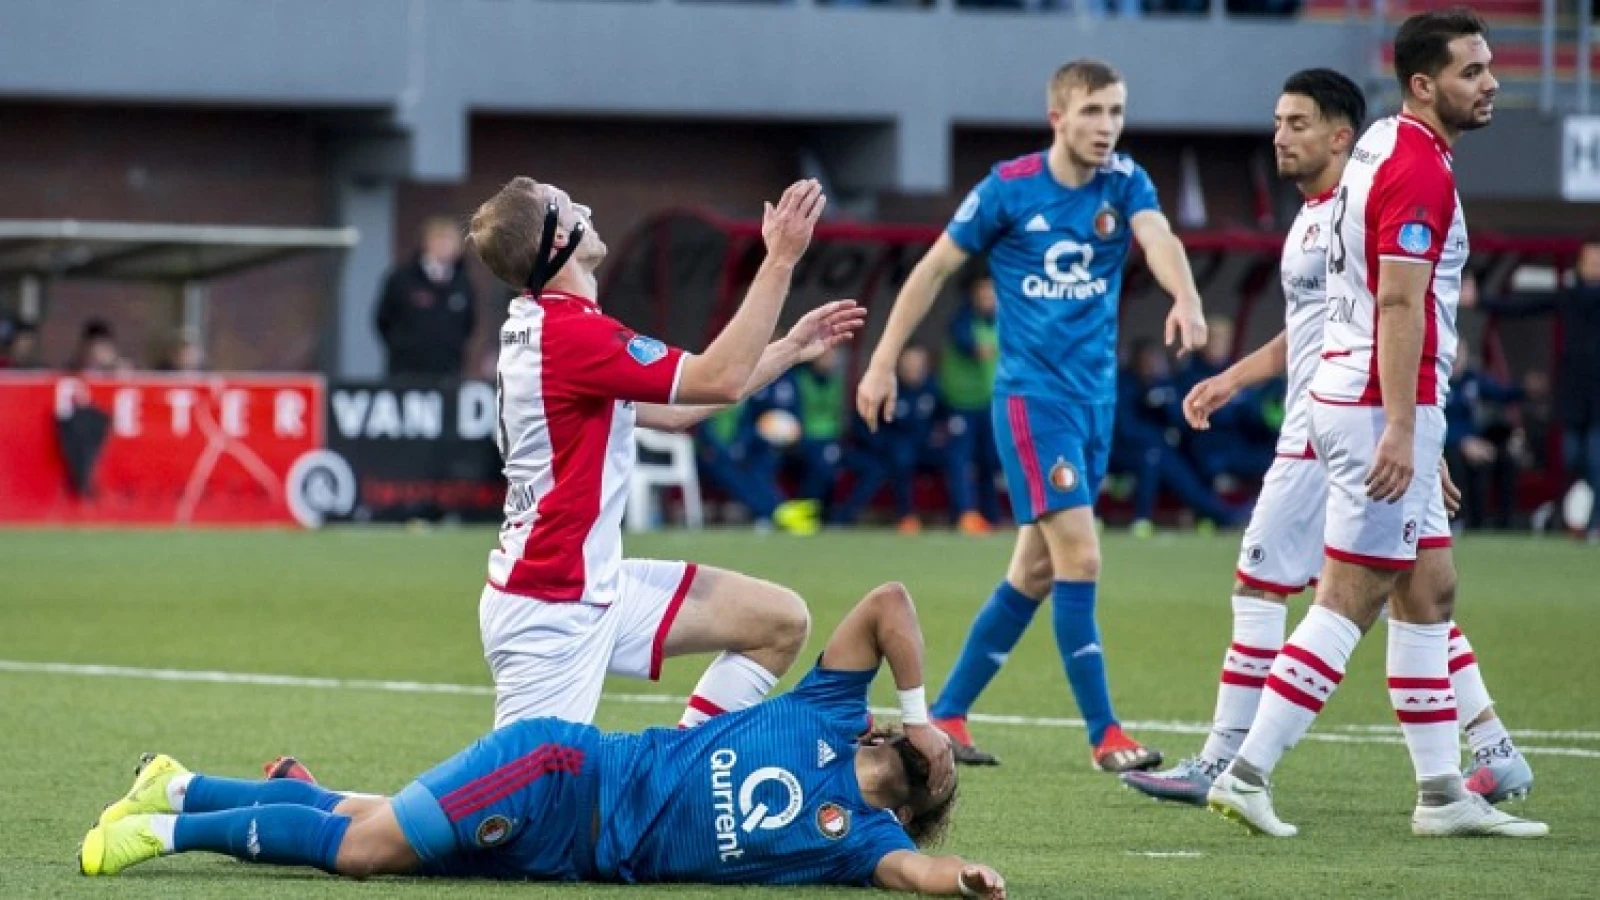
{"points": [[679, 471]]}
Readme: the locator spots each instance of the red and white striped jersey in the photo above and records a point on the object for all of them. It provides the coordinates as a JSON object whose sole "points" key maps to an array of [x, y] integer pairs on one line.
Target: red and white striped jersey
{"points": [[1303, 270], [566, 381], [1396, 201]]}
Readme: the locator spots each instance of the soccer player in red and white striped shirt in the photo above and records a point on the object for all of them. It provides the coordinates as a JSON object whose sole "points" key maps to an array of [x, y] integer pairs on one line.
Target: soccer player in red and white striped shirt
{"points": [[562, 607], [1398, 245]]}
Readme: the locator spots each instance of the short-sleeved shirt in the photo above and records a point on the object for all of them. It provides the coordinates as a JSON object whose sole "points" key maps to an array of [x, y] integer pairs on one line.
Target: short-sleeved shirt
{"points": [[1396, 201], [767, 795], [566, 381], [1303, 271], [1056, 254]]}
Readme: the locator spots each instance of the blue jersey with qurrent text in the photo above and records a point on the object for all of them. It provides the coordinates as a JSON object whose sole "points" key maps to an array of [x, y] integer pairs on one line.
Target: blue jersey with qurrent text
{"points": [[1056, 255], [766, 795]]}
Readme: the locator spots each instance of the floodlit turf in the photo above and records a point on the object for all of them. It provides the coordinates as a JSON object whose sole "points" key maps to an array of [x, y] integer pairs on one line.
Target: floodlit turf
{"points": [[401, 604]]}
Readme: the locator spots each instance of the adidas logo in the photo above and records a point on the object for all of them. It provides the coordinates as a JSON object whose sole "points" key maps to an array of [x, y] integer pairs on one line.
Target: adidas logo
{"points": [[1037, 223], [252, 842], [1087, 650], [998, 658], [825, 754]]}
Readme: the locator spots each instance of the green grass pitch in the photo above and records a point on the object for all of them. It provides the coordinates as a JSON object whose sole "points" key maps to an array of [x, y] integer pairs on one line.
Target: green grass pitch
{"points": [[400, 604]]}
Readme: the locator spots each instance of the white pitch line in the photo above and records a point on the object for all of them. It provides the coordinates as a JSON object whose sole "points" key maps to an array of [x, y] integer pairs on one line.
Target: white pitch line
{"points": [[1166, 854], [1353, 734]]}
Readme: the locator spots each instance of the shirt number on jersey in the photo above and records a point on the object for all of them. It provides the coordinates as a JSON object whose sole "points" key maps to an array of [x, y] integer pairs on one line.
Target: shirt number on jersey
{"points": [[1336, 248], [501, 439]]}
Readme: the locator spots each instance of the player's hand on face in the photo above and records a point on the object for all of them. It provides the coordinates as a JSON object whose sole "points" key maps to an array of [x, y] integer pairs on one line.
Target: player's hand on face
{"points": [[1204, 399], [983, 882], [1392, 466], [935, 748], [825, 327], [1452, 494], [875, 397], [1186, 328], [786, 228]]}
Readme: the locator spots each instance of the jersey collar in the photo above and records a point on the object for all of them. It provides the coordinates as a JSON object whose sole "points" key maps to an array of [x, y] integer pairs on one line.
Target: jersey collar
{"points": [[1323, 197], [547, 296], [1438, 139]]}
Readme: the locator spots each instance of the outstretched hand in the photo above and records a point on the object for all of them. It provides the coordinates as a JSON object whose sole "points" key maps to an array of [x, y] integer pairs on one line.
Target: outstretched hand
{"points": [[825, 327], [786, 228]]}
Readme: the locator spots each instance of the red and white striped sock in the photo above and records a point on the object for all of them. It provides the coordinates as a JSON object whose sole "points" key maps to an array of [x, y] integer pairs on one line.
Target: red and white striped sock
{"points": [[1472, 695], [732, 682], [1424, 701], [1304, 675], [1258, 627]]}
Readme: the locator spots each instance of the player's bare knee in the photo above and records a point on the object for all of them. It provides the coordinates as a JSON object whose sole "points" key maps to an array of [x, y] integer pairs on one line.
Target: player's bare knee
{"points": [[1033, 578], [892, 592], [788, 623], [1079, 564]]}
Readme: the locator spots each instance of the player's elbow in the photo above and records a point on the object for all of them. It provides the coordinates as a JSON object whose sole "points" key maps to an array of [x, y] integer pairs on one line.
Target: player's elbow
{"points": [[707, 381]]}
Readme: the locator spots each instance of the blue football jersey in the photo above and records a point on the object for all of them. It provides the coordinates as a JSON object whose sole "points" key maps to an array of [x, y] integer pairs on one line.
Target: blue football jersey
{"points": [[1056, 254], [767, 795]]}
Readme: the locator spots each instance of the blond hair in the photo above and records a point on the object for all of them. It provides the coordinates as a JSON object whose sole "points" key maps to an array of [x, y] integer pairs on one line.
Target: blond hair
{"points": [[1089, 74]]}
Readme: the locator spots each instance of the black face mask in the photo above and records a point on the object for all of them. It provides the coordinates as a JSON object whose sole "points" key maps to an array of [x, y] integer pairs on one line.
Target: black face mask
{"points": [[544, 265]]}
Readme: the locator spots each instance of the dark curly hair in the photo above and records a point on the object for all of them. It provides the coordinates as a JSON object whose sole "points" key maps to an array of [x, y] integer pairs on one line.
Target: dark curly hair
{"points": [[930, 817]]}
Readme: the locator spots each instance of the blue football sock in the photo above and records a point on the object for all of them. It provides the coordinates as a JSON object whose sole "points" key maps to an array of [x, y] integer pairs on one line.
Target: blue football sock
{"points": [[1078, 638], [208, 794], [997, 629], [281, 835]]}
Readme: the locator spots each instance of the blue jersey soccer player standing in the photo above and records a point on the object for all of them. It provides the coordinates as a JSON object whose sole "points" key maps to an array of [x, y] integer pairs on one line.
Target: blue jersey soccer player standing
{"points": [[1056, 227]]}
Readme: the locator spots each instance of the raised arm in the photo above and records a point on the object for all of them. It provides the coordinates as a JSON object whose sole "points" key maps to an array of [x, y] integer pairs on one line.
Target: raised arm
{"points": [[938, 876], [829, 325], [875, 395], [1186, 324], [1263, 364], [883, 626], [720, 374]]}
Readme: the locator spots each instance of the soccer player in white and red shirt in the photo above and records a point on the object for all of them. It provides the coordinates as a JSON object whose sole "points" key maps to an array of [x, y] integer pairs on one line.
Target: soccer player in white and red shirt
{"points": [[562, 608], [1398, 244], [1317, 118]]}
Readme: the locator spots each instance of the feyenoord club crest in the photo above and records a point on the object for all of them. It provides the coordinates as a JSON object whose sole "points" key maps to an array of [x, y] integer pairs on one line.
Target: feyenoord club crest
{"points": [[1106, 222], [494, 831], [1310, 240], [1063, 476], [833, 821]]}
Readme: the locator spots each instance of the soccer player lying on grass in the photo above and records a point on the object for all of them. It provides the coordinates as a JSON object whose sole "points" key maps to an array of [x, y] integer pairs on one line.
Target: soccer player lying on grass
{"points": [[790, 791]]}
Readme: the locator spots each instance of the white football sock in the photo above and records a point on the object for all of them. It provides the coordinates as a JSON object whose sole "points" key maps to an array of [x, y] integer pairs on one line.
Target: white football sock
{"points": [[732, 682], [1258, 627], [1424, 700], [1304, 675]]}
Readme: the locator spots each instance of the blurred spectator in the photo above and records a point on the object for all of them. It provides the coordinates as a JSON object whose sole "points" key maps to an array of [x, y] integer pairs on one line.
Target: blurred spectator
{"points": [[427, 310], [819, 391], [731, 457], [184, 355], [966, 384], [1577, 368], [1480, 444], [1145, 441], [902, 445], [97, 352], [1239, 443], [20, 349]]}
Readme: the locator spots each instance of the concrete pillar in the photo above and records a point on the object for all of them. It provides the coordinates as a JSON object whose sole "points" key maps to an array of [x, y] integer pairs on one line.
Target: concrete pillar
{"points": [[368, 205]]}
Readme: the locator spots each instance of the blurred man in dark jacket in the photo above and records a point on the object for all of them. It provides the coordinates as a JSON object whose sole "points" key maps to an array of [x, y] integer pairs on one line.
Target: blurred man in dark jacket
{"points": [[428, 310]]}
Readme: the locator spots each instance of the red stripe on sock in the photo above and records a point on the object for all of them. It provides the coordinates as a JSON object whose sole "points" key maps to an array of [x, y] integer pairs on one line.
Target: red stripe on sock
{"points": [[1247, 681], [701, 705], [1454, 632], [1425, 716], [1256, 652], [1457, 663], [1293, 694], [1303, 655], [1418, 684]]}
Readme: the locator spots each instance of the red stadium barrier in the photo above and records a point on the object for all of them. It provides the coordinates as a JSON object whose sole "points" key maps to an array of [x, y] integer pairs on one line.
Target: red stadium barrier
{"points": [[154, 449]]}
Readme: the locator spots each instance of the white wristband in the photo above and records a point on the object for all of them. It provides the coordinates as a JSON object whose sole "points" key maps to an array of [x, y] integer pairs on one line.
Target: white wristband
{"points": [[914, 706]]}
